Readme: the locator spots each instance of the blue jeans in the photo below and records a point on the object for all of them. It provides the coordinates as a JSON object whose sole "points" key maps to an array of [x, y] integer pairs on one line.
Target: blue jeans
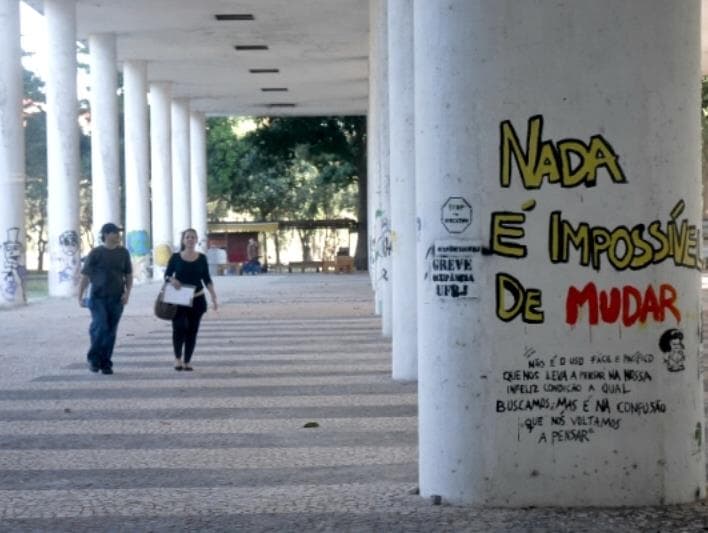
{"points": [[105, 315]]}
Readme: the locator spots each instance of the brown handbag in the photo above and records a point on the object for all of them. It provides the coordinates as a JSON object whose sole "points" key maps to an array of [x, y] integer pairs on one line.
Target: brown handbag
{"points": [[164, 310]]}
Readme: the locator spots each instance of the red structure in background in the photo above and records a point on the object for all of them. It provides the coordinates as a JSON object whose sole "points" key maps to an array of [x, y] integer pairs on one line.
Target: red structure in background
{"points": [[234, 244]]}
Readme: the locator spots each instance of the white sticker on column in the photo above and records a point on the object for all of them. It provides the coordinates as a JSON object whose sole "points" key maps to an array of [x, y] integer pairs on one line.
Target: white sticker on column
{"points": [[450, 271]]}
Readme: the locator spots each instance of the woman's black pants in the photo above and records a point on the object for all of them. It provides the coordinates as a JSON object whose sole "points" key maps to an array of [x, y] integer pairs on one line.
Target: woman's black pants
{"points": [[185, 326]]}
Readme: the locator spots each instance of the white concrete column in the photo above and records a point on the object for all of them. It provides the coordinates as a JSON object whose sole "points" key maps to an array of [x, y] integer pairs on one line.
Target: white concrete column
{"points": [[105, 167], [62, 148], [181, 188], [372, 154], [198, 176], [371, 193], [379, 113], [559, 196], [402, 179], [13, 272], [137, 167], [385, 272], [161, 175]]}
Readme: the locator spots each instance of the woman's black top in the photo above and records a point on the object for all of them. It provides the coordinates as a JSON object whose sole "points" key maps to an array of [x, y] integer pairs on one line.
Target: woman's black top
{"points": [[189, 272]]}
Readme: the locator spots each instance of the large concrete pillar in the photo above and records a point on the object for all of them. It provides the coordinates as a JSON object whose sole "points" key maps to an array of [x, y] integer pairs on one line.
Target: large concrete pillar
{"points": [[161, 175], [62, 149], [181, 188], [137, 167], [402, 179], [198, 176], [13, 272], [559, 199], [105, 168]]}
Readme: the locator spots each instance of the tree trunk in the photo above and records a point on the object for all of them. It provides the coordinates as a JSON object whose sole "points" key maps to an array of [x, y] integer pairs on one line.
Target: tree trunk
{"points": [[265, 252], [305, 238], [277, 248]]}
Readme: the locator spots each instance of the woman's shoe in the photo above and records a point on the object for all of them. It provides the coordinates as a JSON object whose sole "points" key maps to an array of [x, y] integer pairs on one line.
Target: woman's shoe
{"points": [[188, 368], [179, 367], [178, 364]]}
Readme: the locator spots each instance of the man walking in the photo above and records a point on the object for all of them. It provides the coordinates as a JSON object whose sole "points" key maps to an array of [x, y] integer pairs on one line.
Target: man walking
{"points": [[109, 271]]}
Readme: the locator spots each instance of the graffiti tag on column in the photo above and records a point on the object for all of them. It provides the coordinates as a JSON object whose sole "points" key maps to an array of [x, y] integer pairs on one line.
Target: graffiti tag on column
{"points": [[383, 242], [69, 257], [14, 272], [571, 163], [138, 243]]}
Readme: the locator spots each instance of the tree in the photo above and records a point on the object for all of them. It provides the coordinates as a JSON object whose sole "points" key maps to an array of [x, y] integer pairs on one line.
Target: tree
{"points": [[36, 168], [35, 164], [291, 167]]}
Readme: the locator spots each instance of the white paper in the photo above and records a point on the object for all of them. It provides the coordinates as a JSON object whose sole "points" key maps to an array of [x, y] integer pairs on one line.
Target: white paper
{"points": [[181, 296]]}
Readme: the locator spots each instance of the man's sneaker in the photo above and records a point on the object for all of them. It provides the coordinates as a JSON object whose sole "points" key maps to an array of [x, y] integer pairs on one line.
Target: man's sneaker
{"points": [[93, 368], [107, 370]]}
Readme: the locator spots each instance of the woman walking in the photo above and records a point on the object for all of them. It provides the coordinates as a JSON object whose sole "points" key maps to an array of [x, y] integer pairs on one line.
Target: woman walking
{"points": [[189, 267]]}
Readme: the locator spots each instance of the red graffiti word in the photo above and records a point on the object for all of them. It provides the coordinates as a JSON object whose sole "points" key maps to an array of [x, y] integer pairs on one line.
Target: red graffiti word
{"points": [[627, 303]]}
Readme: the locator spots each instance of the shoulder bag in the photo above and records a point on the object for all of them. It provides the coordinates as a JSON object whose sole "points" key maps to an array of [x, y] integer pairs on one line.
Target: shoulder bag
{"points": [[164, 310]]}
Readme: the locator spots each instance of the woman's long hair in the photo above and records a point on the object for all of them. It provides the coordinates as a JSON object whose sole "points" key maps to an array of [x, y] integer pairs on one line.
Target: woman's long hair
{"points": [[184, 233]]}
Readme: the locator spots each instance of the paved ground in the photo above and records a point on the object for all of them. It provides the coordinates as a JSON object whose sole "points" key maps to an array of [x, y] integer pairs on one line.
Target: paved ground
{"points": [[225, 448]]}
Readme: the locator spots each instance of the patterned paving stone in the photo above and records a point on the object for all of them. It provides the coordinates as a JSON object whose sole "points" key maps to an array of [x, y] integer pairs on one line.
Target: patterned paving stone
{"points": [[225, 448]]}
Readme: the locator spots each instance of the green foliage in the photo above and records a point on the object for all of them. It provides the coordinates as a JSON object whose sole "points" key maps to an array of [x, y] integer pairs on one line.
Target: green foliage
{"points": [[36, 168], [293, 168]]}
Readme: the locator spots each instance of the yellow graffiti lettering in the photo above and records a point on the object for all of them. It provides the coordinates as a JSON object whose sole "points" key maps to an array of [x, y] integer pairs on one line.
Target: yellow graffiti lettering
{"points": [[624, 248], [523, 301], [504, 226], [543, 159]]}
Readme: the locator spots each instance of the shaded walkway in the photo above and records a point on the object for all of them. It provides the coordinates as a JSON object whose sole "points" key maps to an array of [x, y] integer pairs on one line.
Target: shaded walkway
{"points": [[225, 448]]}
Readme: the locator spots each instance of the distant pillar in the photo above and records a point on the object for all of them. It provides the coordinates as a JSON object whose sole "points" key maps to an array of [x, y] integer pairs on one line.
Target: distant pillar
{"points": [[13, 272], [382, 195], [62, 149], [559, 311], [137, 168], [198, 176], [371, 197], [372, 155], [105, 171], [161, 176], [181, 188], [402, 179]]}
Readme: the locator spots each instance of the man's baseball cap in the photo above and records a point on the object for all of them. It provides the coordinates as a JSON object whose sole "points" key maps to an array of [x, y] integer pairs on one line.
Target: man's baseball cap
{"points": [[110, 227]]}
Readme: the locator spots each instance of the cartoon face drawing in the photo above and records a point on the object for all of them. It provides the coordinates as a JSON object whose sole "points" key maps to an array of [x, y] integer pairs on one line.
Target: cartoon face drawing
{"points": [[671, 343], [70, 246], [69, 242]]}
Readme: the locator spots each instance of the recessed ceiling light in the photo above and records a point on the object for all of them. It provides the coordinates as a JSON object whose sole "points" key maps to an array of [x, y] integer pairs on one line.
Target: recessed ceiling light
{"points": [[234, 16], [263, 70], [251, 47], [281, 105], [274, 89]]}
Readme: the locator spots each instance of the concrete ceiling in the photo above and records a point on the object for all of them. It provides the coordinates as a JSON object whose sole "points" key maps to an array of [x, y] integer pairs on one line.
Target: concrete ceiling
{"points": [[320, 48]]}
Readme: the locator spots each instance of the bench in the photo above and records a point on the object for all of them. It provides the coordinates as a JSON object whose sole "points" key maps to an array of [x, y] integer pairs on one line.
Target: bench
{"points": [[343, 263], [224, 269], [305, 265]]}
